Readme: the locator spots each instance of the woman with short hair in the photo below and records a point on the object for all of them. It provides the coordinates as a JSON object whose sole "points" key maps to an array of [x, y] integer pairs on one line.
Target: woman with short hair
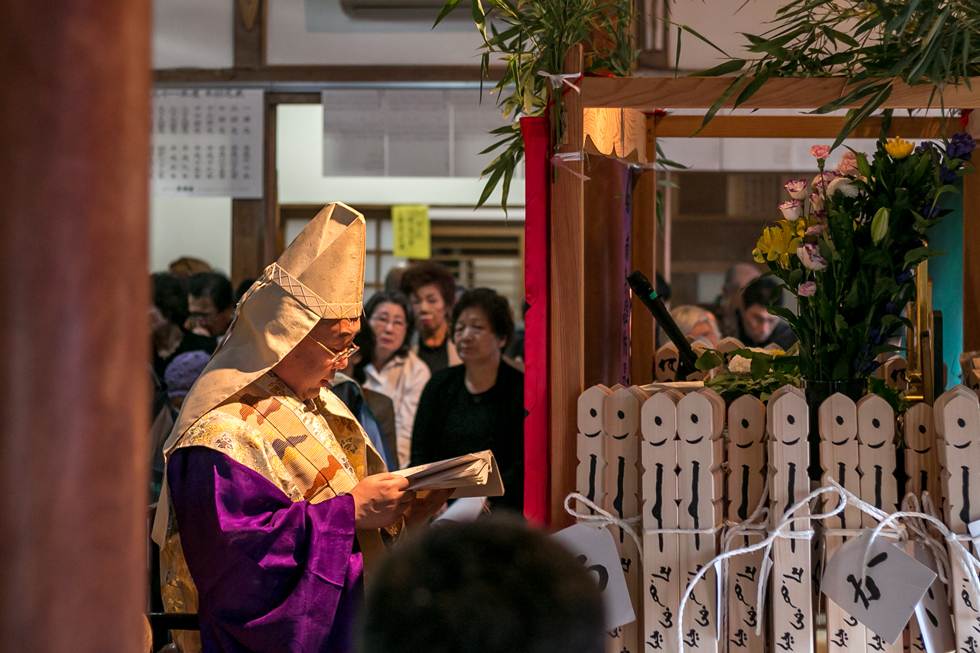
{"points": [[394, 369], [480, 404]]}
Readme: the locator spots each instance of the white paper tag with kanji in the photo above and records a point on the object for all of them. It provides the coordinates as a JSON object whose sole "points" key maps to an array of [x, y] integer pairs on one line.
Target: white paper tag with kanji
{"points": [[932, 612], [596, 548], [886, 597]]}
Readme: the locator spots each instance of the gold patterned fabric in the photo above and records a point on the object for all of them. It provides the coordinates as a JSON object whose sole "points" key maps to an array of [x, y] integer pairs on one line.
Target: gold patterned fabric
{"points": [[266, 428]]}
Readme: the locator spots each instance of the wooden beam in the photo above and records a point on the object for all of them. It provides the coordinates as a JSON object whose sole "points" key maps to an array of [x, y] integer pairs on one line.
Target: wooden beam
{"points": [[802, 126], [644, 251], [567, 310], [318, 74], [249, 39], [971, 262], [619, 133], [74, 344], [255, 223], [780, 93]]}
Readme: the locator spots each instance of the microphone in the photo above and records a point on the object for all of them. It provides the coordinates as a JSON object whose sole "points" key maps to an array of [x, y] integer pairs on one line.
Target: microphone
{"points": [[644, 290]]}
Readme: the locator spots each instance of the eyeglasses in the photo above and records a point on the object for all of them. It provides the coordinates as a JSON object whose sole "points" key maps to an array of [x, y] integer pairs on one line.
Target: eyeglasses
{"points": [[387, 321], [337, 356]]}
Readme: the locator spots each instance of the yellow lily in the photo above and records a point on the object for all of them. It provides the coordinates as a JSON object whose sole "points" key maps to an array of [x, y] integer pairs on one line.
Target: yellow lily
{"points": [[778, 243], [899, 148]]}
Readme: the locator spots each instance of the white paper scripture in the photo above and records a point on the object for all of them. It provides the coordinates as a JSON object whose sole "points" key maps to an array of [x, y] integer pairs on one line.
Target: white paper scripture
{"points": [[464, 511], [932, 612], [886, 598], [596, 548], [472, 475]]}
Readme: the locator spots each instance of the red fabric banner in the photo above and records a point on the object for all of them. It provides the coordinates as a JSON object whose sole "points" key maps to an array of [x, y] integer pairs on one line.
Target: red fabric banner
{"points": [[537, 469]]}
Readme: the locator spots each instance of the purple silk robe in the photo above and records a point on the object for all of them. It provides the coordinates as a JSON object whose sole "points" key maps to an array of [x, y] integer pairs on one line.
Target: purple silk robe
{"points": [[271, 574]]}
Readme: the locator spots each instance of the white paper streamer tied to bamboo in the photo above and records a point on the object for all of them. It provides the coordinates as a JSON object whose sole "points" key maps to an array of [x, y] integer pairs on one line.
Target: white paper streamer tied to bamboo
{"points": [[766, 544], [563, 78], [601, 518], [917, 528], [967, 560], [559, 159]]}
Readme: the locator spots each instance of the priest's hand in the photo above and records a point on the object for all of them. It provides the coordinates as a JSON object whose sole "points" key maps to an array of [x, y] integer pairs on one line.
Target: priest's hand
{"points": [[380, 500], [423, 508]]}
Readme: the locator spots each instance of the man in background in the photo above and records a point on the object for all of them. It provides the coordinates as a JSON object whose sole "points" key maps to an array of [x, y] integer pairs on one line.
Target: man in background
{"points": [[209, 299], [737, 277], [432, 290], [757, 326]]}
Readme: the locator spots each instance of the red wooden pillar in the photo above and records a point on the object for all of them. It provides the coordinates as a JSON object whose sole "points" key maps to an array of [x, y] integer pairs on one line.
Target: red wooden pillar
{"points": [[74, 344]]}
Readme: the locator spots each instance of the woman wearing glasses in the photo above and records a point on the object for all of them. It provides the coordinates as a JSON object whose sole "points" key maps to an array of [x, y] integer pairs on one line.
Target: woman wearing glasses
{"points": [[394, 369]]}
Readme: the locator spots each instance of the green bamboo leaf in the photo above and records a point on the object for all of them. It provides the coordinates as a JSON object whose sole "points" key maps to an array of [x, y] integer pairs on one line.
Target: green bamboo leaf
{"points": [[490, 185], [691, 31], [940, 21], [722, 69], [677, 55], [479, 17], [720, 102], [761, 78], [446, 10]]}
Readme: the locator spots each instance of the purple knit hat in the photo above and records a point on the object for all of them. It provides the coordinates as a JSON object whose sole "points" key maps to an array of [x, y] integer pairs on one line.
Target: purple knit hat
{"points": [[183, 371]]}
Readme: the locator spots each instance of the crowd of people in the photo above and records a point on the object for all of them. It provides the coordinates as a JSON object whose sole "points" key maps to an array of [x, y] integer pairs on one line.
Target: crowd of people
{"points": [[428, 380], [742, 312]]}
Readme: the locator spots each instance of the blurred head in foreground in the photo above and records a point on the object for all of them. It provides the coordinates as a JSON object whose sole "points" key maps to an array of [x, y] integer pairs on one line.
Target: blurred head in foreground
{"points": [[494, 586]]}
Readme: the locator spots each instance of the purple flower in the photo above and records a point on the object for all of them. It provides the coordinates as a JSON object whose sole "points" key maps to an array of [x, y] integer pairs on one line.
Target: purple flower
{"points": [[890, 308], [903, 277], [810, 257], [946, 175], [930, 213], [820, 214], [816, 229], [960, 146], [807, 289]]}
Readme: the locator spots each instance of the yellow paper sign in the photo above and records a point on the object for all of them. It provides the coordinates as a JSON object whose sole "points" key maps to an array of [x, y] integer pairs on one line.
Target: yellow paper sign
{"points": [[412, 238]]}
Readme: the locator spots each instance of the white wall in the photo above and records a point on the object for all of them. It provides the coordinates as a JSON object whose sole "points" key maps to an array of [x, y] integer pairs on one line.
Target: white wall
{"points": [[190, 226], [193, 33], [719, 21], [317, 32], [299, 159]]}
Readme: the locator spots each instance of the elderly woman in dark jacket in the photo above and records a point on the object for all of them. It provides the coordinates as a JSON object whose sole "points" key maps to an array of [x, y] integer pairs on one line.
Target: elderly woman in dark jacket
{"points": [[480, 404]]}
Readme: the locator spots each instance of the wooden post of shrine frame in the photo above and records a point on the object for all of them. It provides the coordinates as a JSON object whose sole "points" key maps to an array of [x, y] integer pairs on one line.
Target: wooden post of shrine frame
{"points": [[567, 309], [642, 326], [74, 133], [971, 236]]}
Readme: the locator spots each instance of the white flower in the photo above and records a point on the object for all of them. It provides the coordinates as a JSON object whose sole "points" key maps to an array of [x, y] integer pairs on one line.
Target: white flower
{"points": [[797, 188], [844, 185], [810, 257], [816, 200], [792, 209], [741, 365]]}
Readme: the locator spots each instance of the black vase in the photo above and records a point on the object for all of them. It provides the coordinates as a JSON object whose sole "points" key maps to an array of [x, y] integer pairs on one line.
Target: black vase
{"points": [[816, 393]]}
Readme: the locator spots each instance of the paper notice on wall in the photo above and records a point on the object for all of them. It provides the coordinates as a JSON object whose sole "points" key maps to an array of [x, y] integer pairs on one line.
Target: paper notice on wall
{"points": [[411, 227], [207, 142]]}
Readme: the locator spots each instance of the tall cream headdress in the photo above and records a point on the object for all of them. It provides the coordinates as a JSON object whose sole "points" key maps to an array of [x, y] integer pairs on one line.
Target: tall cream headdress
{"points": [[319, 276]]}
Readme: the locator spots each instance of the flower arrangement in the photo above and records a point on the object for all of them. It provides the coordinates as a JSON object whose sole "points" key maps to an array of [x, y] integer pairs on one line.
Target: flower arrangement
{"points": [[848, 245]]}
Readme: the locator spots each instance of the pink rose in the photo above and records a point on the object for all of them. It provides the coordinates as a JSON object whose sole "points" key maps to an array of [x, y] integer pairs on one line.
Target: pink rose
{"points": [[807, 289], [820, 151], [848, 164], [816, 229]]}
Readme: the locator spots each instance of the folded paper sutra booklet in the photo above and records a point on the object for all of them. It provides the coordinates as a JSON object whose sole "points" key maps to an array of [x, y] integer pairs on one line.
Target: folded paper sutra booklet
{"points": [[472, 475]]}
